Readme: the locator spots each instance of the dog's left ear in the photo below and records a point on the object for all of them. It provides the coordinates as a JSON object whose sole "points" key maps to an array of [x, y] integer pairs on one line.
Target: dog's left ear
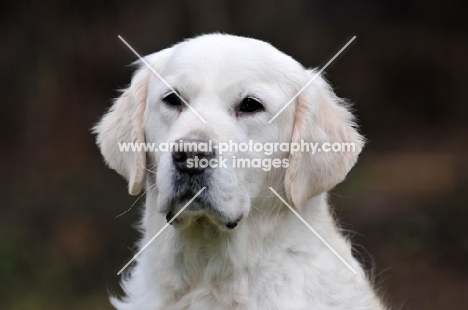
{"points": [[321, 117]]}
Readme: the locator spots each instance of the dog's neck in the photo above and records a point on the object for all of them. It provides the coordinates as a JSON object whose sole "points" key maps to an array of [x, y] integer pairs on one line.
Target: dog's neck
{"points": [[188, 252]]}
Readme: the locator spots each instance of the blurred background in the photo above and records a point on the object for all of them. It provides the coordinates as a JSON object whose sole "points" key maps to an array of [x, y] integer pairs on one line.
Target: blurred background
{"points": [[404, 204]]}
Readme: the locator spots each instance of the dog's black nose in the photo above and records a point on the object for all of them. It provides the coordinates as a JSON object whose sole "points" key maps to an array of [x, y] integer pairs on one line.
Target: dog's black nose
{"points": [[192, 156], [232, 225]]}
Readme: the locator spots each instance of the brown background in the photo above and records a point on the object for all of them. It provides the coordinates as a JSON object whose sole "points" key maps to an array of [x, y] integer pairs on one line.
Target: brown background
{"points": [[404, 204]]}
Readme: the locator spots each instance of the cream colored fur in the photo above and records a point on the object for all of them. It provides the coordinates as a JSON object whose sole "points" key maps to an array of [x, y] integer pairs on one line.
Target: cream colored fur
{"points": [[271, 260]]}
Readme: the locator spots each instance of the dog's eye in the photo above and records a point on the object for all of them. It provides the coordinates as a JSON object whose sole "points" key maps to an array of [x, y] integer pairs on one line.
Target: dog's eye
{"points": [[173, 99], [251, 105]]}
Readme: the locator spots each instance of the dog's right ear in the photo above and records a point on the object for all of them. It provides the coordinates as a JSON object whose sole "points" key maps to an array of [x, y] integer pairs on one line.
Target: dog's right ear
{"points": [[124, 124]]}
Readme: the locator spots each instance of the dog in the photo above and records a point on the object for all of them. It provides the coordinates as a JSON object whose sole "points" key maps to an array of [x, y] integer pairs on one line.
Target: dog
{"points": [[237, 245]]}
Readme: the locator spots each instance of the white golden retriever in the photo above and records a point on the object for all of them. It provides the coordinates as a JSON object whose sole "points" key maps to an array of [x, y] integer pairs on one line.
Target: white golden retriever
{"points": [[236, 246]]}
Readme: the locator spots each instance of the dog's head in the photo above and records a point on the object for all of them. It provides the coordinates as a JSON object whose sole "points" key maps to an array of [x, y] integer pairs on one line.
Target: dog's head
{"points": [[233, 86]]}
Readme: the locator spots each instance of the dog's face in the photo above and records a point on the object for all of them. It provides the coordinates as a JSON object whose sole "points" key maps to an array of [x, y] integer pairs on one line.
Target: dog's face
{"points": [[236, 85]]}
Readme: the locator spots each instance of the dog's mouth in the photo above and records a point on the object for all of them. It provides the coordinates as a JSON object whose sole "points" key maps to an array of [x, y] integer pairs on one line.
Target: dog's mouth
{"points": [[200, 207], [188, 205], [230, 225]]}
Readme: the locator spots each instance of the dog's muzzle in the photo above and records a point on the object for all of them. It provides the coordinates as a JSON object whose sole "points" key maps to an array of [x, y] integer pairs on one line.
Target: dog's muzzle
{"points": [[189, 177]]}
